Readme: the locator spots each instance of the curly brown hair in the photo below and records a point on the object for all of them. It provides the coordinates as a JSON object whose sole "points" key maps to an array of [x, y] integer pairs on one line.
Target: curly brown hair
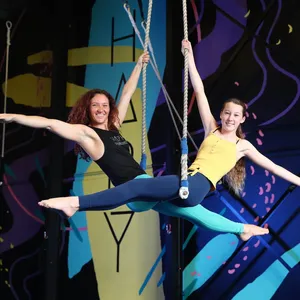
{"points": [[235, 178], [80, 114]]}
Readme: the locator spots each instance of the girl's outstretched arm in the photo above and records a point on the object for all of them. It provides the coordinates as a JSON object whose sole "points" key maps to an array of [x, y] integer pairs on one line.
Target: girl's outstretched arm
{"points": [[253, 154], [208, 121]]}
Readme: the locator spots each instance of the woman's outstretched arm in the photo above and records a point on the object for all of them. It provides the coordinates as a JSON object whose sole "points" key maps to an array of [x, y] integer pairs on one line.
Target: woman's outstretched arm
{"points": [[130, 86], [81, 134]]}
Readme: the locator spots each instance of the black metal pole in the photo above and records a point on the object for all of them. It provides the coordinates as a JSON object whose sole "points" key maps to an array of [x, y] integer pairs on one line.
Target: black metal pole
{"points": [[173, 80], [59, 47]]}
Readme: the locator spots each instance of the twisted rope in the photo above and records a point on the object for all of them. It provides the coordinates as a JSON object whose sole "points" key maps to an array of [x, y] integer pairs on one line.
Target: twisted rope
{"points": [[184, 191], [8, 27], [156, 71], [144, 93]]}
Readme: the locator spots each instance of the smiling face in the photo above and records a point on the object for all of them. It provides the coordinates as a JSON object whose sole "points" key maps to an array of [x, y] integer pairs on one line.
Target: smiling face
{"points": [[232, 116], [99, 111]]}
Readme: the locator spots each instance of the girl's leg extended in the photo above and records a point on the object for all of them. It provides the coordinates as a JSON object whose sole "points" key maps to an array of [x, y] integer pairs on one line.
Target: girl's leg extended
{"points": [[201, 217]]}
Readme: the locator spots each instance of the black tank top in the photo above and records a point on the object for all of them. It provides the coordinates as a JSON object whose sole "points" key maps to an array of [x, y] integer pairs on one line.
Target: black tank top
{"points": [[117, 162]]}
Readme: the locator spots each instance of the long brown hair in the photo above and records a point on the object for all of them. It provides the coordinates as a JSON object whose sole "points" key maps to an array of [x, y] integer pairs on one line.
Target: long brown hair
{"points": [[80, 114], [235, 178]]}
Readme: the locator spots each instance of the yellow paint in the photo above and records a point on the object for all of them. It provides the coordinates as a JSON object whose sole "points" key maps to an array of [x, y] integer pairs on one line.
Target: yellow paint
{"points": [[101, 55], [279, 42], [247, 14], [89, 55], [29, 90], [141, 245], [73, 93], [34, 91], [1, 240], [290, 28], [43, 57]]}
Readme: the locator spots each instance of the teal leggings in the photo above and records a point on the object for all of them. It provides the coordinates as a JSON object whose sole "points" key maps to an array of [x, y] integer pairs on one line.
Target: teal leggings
{"points": [[197, 215]]}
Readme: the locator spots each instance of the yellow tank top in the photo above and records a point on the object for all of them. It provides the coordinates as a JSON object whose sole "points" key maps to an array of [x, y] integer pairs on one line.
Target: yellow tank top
{"points": [[215, 158]]}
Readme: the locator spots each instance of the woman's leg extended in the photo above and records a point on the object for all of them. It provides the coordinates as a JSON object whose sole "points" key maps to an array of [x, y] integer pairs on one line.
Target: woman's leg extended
{"points": [[164, 188], [201, 217]]}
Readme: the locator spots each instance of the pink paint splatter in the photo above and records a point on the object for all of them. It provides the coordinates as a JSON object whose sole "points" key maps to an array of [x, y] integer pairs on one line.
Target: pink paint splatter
{"points": [[267, 172], [245, 257], [272, 198], [268, 187], [231, 271], [246, 105], [194, 273], [273, 179], [254, 116], [252, 170], [256, 219], [209, 257], [242, 210], [259, 141], [266, 225], [233, 243], [266, 199], [261, 191], [198, 274], [246, 249], [257, 244], [244, 194], [247, 114], [254, 205], [260, 133], [237, 266], [268, 209], [236, 83], [224, 262]]}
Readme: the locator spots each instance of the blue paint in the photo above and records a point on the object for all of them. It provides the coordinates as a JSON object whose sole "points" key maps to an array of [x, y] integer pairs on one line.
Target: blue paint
{"points": [[9, 171], [192, 232], [163, 251], [207, 267], [40, 170], [161, 280], [265, 285]]}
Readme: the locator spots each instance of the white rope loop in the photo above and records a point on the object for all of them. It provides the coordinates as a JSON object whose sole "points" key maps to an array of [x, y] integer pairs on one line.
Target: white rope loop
{"points": [[183, 192], [8, 41]]}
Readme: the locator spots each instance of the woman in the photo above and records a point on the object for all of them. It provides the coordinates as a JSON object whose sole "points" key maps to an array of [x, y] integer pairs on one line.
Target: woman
{"points": [[93, 124]]}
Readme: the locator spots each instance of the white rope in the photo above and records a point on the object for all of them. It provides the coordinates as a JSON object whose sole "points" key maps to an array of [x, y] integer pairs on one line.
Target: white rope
{"points": [[8, 27], [183, 192], [156, 71], [144, 79]]}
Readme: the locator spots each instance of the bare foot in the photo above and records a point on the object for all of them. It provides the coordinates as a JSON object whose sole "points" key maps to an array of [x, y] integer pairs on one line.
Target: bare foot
{"points": [[252, 230], [68, 205]]}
